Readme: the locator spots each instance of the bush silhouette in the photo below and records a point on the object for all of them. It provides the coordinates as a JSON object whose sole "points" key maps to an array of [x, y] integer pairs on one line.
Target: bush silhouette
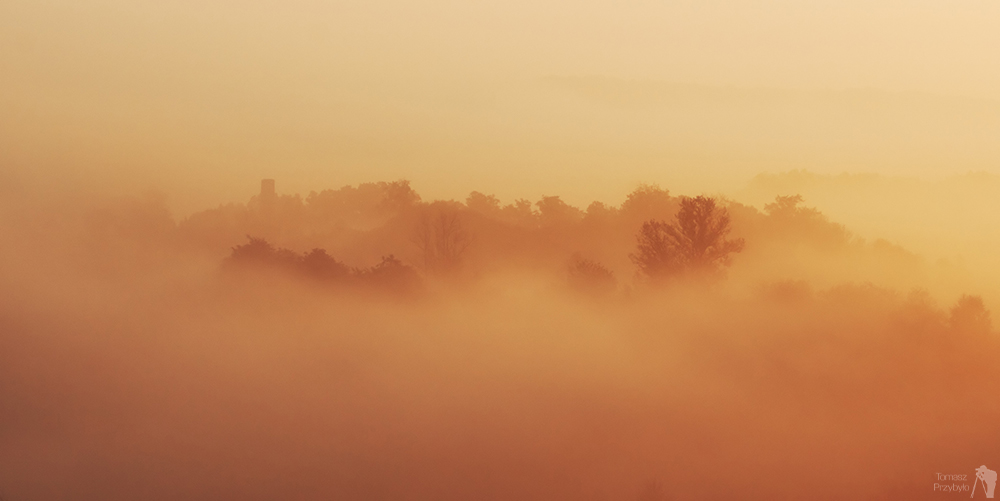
{"points": [[260, 251], [318, 264], [970, 315], [591, 277], [389, 274]]}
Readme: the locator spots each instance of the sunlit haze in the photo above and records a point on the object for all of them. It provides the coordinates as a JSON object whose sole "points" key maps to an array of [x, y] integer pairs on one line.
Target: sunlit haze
{"points": [[456, 251], [581, 99]]}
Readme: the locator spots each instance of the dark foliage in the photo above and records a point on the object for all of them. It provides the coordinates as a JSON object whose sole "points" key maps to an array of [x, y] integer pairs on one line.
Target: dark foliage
{"points": [[695, 242], [970, 315], [591, 277], [321, 265], [260, 251], [442, 238], [655, 254], [390, 273]]}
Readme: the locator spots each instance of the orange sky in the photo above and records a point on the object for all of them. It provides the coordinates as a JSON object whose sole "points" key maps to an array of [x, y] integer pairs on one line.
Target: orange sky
{"points": [[583, 99]]}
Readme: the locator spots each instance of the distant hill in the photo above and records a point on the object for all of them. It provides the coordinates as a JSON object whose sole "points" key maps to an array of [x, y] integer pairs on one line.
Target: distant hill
{"points": [[952, 216]]}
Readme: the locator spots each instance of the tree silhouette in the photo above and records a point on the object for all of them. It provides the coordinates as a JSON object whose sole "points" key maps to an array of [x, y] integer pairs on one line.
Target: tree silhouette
{"points": [[696, 241], [520, 213], [398, 196], [442, 239], [319, 264], [591, 277], [488, 205], [261, 252], [391, 275], [257, 249], [970, 315], [655, 254], [646, 200], [553, 211], [700, 234], [787, 219], [787, 207]]}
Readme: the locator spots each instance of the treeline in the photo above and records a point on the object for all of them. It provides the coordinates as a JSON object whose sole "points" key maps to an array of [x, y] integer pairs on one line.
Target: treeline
{"points": [[651, 238], [695, 243], [390, 274]]}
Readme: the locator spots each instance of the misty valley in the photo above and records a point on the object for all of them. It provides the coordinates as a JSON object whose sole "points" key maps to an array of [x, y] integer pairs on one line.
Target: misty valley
{"points": [[362, 343]]}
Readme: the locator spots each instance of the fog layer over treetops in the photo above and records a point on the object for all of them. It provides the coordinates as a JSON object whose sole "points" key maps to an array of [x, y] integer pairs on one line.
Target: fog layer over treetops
{"points": [[363, 343]]}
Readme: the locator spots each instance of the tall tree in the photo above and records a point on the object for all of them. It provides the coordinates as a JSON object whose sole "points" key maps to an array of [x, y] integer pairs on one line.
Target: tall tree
{"points": [[696, 241], [442, 238]]}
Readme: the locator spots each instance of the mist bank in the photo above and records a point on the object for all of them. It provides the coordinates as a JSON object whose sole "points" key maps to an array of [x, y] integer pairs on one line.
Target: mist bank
{"points": [[942, 218], [514, 388], [145, 356]]}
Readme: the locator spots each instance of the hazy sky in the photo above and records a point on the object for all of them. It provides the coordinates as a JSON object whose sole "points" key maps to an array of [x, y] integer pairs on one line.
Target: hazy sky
{"points": [[201, 99]]}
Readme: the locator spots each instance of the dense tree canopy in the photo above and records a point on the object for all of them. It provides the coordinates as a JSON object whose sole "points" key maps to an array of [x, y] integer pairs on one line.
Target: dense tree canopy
{"points": [[696, 242]]}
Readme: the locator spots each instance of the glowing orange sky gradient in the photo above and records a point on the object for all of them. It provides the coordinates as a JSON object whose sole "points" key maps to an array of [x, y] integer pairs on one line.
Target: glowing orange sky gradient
{"points": [[584, 99]]}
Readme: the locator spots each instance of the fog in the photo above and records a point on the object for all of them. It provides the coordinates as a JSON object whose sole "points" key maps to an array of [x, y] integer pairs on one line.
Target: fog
{"points": [[546, 250], [146, 356]]}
